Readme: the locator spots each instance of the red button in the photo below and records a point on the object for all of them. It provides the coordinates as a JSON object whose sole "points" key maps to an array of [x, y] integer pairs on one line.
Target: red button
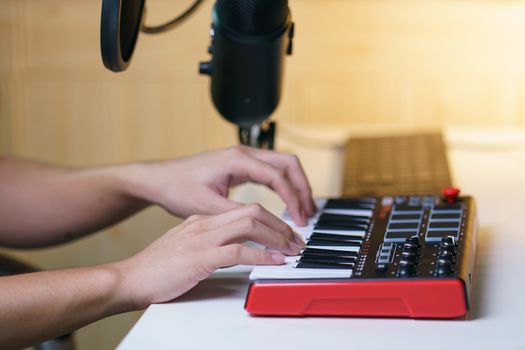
{"points": [[451, 194]]}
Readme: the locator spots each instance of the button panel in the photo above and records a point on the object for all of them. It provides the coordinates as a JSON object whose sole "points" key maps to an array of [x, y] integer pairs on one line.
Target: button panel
{"points": [[444, 221], [405, 220], [420, 237]]}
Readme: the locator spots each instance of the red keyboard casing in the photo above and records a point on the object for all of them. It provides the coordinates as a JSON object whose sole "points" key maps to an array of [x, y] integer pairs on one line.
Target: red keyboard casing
{"points": [[412, 298]]}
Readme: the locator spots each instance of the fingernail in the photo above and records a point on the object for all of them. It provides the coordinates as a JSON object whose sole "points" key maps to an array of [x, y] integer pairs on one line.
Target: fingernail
{"points": [[278, 258]]}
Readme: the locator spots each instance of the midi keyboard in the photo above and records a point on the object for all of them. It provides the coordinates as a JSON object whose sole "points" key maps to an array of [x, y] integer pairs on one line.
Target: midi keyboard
{"points": [[383, 256]]}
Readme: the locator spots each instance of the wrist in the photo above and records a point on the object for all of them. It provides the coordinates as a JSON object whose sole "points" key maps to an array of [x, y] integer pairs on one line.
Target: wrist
{"points": [[127, 181], [124, 289]]}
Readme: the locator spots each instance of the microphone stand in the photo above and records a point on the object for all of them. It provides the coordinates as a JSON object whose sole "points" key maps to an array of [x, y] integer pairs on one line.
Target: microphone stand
{"points": [[259, 136]]}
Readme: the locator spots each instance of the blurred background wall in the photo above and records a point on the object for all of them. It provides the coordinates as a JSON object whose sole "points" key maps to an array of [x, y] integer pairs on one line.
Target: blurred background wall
{"points": [[371, 63]]}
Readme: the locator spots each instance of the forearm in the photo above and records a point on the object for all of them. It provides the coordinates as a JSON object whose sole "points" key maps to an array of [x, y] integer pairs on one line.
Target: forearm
{"points": [[44, 205], [43, 305]]}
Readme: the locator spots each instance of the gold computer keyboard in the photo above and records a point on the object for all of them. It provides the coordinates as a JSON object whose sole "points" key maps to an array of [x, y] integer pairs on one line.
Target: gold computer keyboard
{"points": [[409, 164]]}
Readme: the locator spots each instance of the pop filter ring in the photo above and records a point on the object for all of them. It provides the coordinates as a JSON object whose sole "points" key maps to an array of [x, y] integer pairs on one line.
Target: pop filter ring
{"points": [[119, 30]]}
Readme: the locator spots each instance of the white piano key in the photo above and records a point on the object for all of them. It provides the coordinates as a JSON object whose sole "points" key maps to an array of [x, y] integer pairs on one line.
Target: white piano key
{"points": [[303, 231], [356, 212], [272, 273], [320, 202], [307, 230], [289, 271]]}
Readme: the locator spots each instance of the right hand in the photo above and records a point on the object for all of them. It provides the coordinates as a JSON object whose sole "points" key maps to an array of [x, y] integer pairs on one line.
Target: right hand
{"points": [[192, 251], [200, 184]]}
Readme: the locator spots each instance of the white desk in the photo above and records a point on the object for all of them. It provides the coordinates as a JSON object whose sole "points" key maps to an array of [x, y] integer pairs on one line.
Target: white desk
{"points": [[212, 316]]}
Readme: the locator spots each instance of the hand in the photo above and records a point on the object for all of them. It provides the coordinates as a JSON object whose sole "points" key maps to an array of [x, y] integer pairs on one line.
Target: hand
{"points": [[200, 184], [190, 252]]}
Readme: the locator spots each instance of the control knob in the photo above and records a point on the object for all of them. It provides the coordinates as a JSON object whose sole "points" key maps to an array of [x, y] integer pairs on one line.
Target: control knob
{"points": [[446, 259], [413, 241], [447, 250], [444, 268], [408, 256], [406, 268], [451, 194]]}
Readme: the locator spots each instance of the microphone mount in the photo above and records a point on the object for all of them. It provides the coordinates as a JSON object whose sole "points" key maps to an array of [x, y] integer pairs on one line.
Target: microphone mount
{"points": [[259, 136]]}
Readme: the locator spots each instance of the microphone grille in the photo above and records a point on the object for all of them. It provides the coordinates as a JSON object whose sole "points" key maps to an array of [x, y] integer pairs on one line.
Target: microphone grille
{"points": [[252, 17]]}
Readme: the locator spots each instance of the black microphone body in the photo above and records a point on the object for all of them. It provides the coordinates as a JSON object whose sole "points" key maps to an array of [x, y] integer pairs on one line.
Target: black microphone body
{"points": [[250, 39]]}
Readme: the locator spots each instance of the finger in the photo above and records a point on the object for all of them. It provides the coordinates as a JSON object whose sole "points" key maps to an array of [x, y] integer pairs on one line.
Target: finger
{"points": [[294, 170], [263, 173], [259, 213], [238, 254], [292, 165], [249, 229]]}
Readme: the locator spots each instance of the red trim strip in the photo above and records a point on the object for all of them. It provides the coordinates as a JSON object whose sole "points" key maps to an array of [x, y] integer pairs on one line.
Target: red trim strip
{"points": [[407, 298]]}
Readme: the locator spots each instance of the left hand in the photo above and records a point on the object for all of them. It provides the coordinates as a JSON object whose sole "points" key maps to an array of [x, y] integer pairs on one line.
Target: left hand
{"points": [[193, 250], [200, 184]]}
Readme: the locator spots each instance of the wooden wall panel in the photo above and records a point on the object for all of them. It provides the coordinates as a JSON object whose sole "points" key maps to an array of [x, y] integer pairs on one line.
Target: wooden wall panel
{"points": [[361, 63], [420, 63]]}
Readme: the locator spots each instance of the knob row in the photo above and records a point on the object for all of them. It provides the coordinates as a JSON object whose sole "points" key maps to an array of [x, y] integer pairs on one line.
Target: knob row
{"points": [[409, 257], [446, 262]]}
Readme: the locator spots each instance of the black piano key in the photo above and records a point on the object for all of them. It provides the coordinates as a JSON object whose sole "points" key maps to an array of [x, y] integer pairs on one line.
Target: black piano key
{"points": [[348, 265], [366, 200], [325, 217], [348, 204], [334, 259], [331, 223], [309, 265], [327, 243], [342, 227], [327, 252], [349, 258], [332, 237]]}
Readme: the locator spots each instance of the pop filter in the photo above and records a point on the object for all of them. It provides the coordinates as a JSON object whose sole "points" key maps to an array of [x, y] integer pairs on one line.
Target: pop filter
{"points": [[120, 24]]}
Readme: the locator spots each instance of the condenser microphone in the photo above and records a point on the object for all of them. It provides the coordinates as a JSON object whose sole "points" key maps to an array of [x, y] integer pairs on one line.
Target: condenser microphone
{"points": [[249, 41]]}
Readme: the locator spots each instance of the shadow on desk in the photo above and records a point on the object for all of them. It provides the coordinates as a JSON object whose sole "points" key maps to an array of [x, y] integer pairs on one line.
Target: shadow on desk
{"points": [[222, 286], [480, 280]]}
